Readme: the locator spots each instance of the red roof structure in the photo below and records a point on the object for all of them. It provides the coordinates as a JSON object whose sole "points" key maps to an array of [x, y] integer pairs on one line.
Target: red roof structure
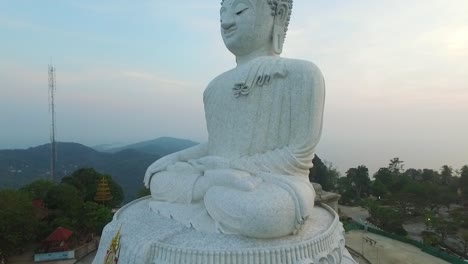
{"points": [[60, 234]]}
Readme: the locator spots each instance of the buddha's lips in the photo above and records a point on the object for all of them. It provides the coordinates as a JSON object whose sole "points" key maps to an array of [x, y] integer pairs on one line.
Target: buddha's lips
{"points": [[229, 32]]}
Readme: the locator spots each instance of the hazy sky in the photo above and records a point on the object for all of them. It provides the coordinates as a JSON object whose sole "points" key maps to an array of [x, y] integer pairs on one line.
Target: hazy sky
{"points": [[396, 73]]}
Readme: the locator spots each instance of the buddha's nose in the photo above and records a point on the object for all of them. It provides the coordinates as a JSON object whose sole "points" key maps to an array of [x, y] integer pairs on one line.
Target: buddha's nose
{"points": [[227, 23]]}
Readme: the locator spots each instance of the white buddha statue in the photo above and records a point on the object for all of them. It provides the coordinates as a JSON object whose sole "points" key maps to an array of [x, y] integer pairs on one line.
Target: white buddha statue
{"points": [[264, 120]]}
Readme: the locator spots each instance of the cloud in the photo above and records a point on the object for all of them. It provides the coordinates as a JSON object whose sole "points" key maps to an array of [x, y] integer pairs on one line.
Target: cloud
{"points": [[385, 49]]}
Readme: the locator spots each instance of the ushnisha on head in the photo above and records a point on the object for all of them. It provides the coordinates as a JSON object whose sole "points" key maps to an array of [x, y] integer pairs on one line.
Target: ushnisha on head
{"points": [[252, 28]]}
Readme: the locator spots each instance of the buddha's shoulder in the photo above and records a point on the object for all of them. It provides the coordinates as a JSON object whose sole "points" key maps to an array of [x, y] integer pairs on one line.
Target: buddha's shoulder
{"points": [[302, 67], [292, 70], [222, 77], [219, 81], [273, 64]]}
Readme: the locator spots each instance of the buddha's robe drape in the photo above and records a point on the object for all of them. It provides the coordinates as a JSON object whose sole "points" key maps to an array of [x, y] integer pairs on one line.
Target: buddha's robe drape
{"points": [[265, 118]]}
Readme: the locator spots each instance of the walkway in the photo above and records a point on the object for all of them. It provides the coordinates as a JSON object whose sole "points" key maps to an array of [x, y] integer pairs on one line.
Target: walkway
{"points": [[388, 251]]}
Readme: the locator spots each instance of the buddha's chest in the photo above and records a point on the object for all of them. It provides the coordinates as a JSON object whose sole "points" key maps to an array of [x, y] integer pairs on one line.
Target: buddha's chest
{"points": [[234, 108], [232, 100], [225, 108], [245, 115]]}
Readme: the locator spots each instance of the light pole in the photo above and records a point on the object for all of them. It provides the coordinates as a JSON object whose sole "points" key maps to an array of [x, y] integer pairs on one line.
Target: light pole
{"points": [[362, 244], [374, 243]]}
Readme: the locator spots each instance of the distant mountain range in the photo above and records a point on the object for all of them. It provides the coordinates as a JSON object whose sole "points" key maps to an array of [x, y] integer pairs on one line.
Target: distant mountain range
{"points": [[126, 164], [161, 146]]}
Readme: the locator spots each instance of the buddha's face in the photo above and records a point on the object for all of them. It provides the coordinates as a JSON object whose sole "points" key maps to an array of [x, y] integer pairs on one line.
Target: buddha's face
{"points": [[246, 25]]}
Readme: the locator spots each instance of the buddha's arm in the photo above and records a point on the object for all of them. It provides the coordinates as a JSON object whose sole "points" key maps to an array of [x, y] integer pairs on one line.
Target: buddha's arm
{"points": [[195, 152], [161, 164], [306, 125]]}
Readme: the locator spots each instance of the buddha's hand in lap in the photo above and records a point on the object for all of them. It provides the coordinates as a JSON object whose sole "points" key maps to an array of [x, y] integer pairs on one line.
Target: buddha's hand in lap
{"points": [[160, 165], [230, 178], [233, 178], [212, 163]]}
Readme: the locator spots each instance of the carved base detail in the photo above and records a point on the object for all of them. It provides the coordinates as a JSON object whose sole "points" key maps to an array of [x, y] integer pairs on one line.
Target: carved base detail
{"points": [[149, 238]]}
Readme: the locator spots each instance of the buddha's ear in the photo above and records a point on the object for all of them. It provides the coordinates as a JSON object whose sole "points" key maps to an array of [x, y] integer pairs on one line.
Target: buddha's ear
{"points": [[279, 26], [281, 14]]}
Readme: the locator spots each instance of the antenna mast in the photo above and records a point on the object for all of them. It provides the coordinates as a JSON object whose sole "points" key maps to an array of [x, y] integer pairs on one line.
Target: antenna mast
{"points": [[53, 152]]}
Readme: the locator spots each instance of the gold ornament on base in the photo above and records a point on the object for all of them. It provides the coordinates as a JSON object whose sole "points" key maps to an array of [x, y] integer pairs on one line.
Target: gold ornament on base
{"points": [[112, 255]]}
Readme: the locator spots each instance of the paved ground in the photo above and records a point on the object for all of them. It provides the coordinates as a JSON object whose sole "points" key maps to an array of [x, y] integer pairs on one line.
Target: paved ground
{"points": [[358, 214], [27, 257], [388, 251], [415, 229], [357, 256], [88, 259]]}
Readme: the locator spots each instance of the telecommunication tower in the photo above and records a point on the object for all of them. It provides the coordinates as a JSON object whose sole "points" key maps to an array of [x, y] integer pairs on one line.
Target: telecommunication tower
{"points": [[53, 145]]}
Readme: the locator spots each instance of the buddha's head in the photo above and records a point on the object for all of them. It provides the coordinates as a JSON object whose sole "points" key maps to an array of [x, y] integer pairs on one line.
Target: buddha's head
{"points": [[248, 26]]}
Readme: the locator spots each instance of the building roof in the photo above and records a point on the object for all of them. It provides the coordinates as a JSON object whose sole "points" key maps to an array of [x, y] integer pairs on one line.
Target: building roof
{"points": [[60, 234]]}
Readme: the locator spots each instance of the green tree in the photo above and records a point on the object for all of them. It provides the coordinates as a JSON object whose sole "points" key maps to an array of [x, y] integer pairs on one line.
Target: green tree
{"points": [[318, 173], [345, 190], [463, 234], [38, 189], [86, 181], [430, 238], [410, 197], [446, 174], [93, 217], [143, 192], [332, 175], [396, 166], [387, 218], [445, 196], [464, 181], [324, 174], [444, 227], [359, 180], [398, 183], [413, 174], [379, 189], [64, 200], [17, 222], [62, 220], [385, 176], [429, 175]]}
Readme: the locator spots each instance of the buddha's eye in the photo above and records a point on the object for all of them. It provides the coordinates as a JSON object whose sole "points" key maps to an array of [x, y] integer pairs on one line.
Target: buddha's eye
{"points": [[241, 11], [241, 8]]}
